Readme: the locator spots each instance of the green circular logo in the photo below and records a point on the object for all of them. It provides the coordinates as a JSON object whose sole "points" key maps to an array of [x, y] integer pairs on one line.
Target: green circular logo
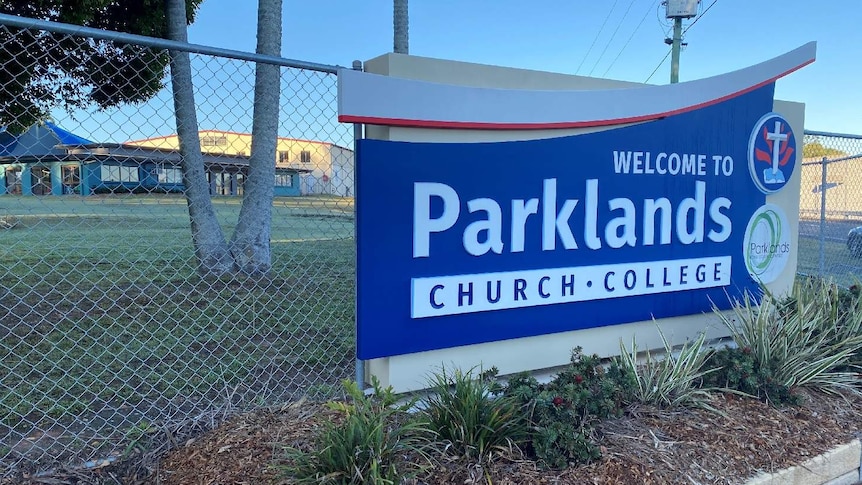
{"points": [[766, 246]]}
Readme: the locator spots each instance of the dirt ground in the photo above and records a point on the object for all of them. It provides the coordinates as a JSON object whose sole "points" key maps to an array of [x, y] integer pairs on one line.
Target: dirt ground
{"points": [[647, 446]]}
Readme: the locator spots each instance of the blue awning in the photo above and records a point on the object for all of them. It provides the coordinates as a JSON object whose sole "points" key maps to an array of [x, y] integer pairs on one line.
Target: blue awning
{"points": [[67, 138]]}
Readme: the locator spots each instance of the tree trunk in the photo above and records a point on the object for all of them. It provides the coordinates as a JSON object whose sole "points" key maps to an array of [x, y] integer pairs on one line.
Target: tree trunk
{"points": [[208, 240], [250, 245], [400, 20]]}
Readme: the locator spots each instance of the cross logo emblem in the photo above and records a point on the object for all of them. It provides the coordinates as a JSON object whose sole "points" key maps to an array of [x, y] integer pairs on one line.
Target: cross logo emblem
{"points": [[771, 153]]}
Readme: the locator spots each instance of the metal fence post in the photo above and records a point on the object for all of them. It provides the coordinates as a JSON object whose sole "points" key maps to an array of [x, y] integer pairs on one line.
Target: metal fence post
{"points": [[357, 135], [822, 263]]}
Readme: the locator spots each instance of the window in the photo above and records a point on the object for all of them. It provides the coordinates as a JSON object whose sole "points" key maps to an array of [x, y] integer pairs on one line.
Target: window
{"points": [[283, 179], [119, 173], [214, 141], [13, 181], [305, 156], [283, 157], [240, 183], [220, 183], [40, 179], [71, 175], [170, 175], [71, 179]]}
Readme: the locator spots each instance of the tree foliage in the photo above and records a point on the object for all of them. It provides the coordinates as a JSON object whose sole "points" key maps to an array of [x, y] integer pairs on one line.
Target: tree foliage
{"points": [[40, 71], [816, 149]]}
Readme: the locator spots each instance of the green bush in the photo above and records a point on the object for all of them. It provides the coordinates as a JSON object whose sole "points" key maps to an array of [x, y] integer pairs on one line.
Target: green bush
{"points": [[378, 442], [467, 412], [851, 301], [673, 381], [841, 307], [805, 340], [738, 370], [562, 412]]}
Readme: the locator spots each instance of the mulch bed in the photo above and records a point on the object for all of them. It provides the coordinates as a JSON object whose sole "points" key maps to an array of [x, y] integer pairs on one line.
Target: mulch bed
{"points": [[647, 446]]}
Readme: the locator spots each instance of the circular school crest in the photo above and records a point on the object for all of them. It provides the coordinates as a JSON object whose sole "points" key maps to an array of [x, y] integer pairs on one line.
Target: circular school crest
{"points": [[771, 153]]}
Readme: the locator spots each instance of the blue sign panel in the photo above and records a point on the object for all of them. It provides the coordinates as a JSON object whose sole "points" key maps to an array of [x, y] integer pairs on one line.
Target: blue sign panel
{"points": [[463, 243]]}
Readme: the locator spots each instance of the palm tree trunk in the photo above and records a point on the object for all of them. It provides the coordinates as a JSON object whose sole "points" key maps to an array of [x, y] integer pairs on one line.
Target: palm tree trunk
{"points": [[400, 27], [208, 239], [250, 245]]}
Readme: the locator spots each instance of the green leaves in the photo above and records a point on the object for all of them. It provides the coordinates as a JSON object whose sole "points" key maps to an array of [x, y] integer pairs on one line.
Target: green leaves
{"points": [[806, 340], [40, 71], [563, 411], [378, 442], [465, 411], [672, 381]]}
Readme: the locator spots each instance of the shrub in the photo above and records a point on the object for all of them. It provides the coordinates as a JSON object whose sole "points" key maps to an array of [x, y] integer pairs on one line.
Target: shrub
{"points": [[800, 341], [563, 411], [851, 301], [467, 411], [676, 380], [738, 370], [376, 443], [841, 307]]}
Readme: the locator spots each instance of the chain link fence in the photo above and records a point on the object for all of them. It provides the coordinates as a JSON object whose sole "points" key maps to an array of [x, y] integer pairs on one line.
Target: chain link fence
{"points": [[110, 337], [109, 334], [830, 207]]}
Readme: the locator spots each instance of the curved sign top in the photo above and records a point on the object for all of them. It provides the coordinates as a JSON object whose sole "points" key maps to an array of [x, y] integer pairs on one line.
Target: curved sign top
{"points": [[390, 101]]}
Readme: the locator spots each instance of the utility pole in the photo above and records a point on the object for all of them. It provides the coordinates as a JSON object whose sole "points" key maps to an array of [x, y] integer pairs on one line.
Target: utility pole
{"points": [[675, 48], [678, 10]]}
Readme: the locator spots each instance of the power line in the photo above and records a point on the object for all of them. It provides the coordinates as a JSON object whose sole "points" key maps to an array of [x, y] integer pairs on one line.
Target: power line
{"points": [[658, 66], [619, 24], [700, 16], [684, 31], [596, 37], [630, 38]]}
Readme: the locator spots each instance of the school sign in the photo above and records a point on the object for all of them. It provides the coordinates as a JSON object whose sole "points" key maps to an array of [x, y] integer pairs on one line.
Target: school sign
{"points": [[661, 215]]}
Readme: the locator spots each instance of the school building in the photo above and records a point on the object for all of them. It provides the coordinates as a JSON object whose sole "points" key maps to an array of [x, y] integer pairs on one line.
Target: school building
{"points": [[48, 160]]}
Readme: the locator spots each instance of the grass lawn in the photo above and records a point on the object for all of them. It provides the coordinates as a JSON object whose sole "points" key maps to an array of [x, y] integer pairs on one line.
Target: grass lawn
{"points": [[105, 327], [838, 262]]}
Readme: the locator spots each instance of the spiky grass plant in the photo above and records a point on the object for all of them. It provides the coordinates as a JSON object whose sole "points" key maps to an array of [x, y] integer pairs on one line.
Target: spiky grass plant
{"points": [[466, 411], [840, 307], [377, 442], [672, 381], [797, 342]]}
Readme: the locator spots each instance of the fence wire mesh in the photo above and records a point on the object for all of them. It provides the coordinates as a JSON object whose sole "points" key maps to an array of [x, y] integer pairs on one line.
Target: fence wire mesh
{"points": [[830, 207], [109, 332]]}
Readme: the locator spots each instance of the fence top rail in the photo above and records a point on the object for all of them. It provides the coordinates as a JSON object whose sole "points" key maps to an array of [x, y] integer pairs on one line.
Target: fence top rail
{"points": [[833, 160], [122, 37], [837, 135]]}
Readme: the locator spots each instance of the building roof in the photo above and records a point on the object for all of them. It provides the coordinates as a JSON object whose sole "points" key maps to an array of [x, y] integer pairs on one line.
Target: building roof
{"points": [[223, 132], [66, 137], [9, 141], [47, 141]]}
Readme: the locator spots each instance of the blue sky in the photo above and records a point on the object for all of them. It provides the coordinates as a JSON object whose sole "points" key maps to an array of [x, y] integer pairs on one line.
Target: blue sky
{"points": [[566, 36]]}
